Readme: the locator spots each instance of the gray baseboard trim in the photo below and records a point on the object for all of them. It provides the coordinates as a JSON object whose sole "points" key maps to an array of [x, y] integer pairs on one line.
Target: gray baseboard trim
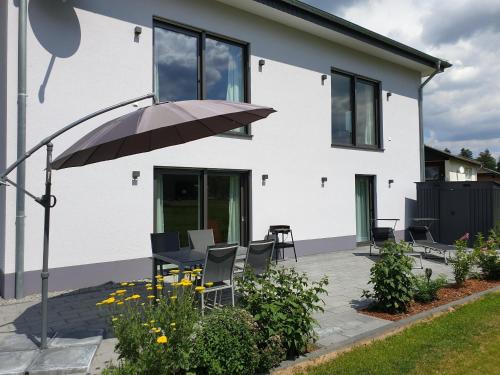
{"points": [[323, 245], [82, 276], [87, 275]]}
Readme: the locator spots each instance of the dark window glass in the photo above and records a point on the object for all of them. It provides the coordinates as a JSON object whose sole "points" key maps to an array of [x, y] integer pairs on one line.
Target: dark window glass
{"points": [[341, 109], [176, 63], [365, 113]]}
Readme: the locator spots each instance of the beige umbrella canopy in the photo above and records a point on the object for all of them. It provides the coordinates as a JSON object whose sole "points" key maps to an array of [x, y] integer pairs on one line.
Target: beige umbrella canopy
{"points": [[157, 126]]}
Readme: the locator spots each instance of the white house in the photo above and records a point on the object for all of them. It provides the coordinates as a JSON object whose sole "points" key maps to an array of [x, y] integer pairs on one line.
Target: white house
{"points": [[347, 102], [443, 166]]}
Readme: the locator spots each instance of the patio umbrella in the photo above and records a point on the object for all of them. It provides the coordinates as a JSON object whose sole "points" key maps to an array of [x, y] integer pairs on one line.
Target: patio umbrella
{"points": [[157, 126]]}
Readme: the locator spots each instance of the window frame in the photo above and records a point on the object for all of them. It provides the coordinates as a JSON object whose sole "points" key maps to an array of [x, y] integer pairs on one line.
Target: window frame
{"points": [[201, 36], [354, 78]]}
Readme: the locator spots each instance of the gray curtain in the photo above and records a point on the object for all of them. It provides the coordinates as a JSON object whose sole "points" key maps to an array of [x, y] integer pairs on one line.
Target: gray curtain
{"points": [[160, 225], [233, 231], [362, 210]]}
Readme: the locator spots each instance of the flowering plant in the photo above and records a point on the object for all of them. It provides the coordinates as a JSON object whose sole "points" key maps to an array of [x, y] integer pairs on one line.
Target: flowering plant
{"points": [[487, 256]]}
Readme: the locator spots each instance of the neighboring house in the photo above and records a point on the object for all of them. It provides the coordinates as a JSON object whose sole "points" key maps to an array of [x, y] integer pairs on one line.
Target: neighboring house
{"points": [[347, 102], [486, 174], [443, 166]]}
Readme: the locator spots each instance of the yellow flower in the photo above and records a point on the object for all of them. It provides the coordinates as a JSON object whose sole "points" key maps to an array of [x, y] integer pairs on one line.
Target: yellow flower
{"points": [[131, 284], [109, 301], [123, 284], [114, 319], [172, 324], [174, 272], [112, 294], [162, 340], [151, 296], [135, 296], [155, 330], [148, 285], [159, 287], [149, 288], [120, 303], [121, 291], [152, 321], [142, 304], [186, 282], [197, 270], [145, 324], [209, 284], [159, 277], [98, 304], [173, 297], [187, 272], [157, 300], [200, 289]]}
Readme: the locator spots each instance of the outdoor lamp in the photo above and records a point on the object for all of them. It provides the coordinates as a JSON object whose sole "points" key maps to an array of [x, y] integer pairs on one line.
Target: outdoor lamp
{"points": [[391, 181], [323, 180], [135, 176], [264, 178], [262, 62], [323, 78], [389, 95]]}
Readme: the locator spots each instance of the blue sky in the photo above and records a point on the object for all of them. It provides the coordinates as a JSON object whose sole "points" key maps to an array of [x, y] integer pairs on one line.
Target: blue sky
{"points": [[461, 106]]}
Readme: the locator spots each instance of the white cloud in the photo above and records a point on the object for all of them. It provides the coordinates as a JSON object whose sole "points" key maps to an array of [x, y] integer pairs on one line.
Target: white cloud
{"points": [[461, 106]]}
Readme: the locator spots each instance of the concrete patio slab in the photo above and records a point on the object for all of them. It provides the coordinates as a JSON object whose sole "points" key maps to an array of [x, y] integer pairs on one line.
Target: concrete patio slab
{"points": [[10, 342], [56, 361], [69, 338], [16, 363]]}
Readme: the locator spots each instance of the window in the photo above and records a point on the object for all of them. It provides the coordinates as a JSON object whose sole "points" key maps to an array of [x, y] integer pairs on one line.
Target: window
{"points": [[355, 111], [197, 65]]}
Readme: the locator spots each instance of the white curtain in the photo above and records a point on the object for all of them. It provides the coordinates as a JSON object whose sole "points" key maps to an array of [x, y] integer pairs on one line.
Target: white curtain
{"points": [[365, 113], [234, 91], [160, 225], [362, 210], [233, 231]]}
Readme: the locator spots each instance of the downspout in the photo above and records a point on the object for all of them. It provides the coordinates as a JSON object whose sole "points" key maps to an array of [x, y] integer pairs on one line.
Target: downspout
{"points": [[421, 119], [21, 147]]}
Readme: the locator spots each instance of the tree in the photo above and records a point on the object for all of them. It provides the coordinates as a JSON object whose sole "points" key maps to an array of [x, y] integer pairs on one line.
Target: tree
{"points": [[466, 153], [487, 159], [447, 150]]}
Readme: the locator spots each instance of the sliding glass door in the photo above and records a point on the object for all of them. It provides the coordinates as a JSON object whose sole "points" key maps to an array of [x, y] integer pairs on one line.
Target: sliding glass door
{"points": [[197, 199], [364, 208]]}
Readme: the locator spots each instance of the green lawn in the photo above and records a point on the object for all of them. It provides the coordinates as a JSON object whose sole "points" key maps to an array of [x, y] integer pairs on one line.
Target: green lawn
{"points": [[466, 341]]}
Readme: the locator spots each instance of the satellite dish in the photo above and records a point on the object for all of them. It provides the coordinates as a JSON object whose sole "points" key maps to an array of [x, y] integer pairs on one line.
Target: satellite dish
{"points": [[461, 170]]}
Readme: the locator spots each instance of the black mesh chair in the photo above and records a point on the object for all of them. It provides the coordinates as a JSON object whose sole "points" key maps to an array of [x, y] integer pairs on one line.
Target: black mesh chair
{"points": [[162, 243], [259, 256], [218, 271]]}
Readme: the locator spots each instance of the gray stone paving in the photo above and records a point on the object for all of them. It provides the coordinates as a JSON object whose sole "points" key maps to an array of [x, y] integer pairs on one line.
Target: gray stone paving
{"points": [[79, 324]]}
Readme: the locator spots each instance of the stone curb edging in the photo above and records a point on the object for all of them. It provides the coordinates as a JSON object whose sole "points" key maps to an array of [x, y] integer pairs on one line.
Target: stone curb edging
{"points": [[329, 352]]}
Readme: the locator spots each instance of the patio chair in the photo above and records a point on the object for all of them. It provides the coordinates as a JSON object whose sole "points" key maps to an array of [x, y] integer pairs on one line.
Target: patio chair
{"points": [[219, 271], [201, 239], [162, 243], [421, 237], [381, 235], [259, 256]]}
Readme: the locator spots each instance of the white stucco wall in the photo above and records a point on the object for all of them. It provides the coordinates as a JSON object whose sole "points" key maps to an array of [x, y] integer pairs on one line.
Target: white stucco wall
{"points": [[101, 217], [452, 171]]}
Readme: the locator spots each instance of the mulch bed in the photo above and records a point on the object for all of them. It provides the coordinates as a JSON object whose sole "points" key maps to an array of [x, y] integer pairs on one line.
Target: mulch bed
{"points": [[447, 294]]}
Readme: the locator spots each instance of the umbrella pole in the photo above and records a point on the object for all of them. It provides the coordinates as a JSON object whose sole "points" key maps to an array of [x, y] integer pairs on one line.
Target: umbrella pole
{"points": [[47, 204]]}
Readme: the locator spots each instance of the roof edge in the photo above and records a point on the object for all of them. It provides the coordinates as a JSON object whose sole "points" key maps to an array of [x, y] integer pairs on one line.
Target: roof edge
{"points": [[472, 161], [322, 18]]}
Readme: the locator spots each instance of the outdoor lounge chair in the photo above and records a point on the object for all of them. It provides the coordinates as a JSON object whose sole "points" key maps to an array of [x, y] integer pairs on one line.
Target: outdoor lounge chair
{"points": [[421, 237], [219, 271], [381, 235], [259, 256], [201, 239]]}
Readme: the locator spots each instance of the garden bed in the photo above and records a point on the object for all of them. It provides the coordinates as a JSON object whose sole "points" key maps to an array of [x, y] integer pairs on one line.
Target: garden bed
{"points": [[448, 294]]}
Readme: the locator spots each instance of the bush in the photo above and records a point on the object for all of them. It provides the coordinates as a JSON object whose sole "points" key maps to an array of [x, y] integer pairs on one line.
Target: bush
{"points": [[487, 257], [462, 263], [282, 302], [227, 343], [392, 279], [426, 289], [154, 336]]}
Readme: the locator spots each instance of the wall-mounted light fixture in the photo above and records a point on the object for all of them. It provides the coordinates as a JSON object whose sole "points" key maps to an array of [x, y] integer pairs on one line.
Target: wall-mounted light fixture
{"points": [[323, 180], [323, 79], [262, 62], [137, 32], [135, 176], [264, 178], [391, 181], [389, 94]]}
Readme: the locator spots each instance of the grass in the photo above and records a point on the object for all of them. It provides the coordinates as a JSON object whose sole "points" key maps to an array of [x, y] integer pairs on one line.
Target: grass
{"points": [[466, 341]]}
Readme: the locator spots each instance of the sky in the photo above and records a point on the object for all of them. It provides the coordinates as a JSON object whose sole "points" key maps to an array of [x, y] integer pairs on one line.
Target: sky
{"points": [[461, 105]]}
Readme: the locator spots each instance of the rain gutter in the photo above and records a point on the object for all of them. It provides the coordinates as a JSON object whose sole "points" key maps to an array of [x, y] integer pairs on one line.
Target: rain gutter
{"points": [[439, 69]]}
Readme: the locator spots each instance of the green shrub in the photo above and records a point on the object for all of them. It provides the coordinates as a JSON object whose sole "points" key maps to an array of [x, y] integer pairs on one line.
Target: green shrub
{"points": [[462, 262], [282, 302], [155, 336], [486, 255], [392, 279], [426, 289], [227, 343]]}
